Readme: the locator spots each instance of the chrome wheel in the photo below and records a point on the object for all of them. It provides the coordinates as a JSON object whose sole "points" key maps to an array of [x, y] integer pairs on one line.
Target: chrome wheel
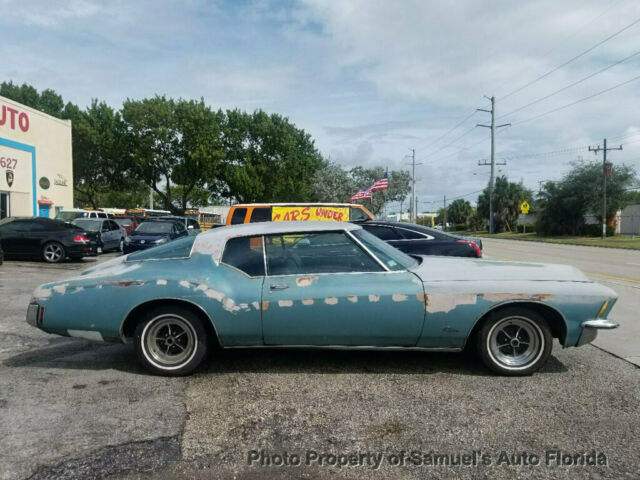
{"points": [[169, 342], [515, 342], [53, 252]]}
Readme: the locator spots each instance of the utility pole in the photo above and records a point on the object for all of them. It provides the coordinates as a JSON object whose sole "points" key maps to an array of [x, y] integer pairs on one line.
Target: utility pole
{"points": [[606, 171], [493, 155], [412, 214], [444, 214]]}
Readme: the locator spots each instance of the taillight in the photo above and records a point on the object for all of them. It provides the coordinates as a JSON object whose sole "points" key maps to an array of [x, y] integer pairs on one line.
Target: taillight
{"points": [[80, 239], [475, 247]]}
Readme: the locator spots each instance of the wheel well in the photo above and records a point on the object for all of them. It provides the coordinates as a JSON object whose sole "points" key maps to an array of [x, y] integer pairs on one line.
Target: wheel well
{"points": [[131, 321], [555, 320]]}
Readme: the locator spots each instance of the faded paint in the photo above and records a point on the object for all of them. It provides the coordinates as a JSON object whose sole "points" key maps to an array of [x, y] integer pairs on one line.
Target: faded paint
{"points": [[184, 283], [42, 292], [61, 289], [256, 305], [398, 297], [285, 303], [502, 297], [445, 302], [86, 334], [374, 298], [307, 301], [331, 301], [305, 281], [265, 306], [352, 298], [161, 282]]}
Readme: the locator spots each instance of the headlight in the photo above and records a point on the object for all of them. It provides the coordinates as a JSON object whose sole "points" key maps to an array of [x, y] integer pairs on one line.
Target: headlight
{"points": [[160, 240], [127, 239]]}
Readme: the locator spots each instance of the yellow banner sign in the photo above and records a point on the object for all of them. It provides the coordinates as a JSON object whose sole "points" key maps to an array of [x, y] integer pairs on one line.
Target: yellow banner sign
{"points": [[308, 214]]}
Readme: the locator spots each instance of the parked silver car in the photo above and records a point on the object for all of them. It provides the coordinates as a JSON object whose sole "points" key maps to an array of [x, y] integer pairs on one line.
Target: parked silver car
{"points": [[110, 235]]}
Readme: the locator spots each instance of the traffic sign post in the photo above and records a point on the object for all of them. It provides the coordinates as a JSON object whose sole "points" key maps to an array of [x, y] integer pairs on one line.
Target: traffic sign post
{"points": [[524, 209]]}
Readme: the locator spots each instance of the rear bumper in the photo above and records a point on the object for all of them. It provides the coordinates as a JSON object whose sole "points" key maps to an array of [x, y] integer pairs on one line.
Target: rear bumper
{"points": [[590, 329]]}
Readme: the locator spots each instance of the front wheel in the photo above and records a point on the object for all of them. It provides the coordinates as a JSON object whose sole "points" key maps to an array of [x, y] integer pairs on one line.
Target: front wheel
{"points": [[171, 341], [515, 341], [53, 252]]}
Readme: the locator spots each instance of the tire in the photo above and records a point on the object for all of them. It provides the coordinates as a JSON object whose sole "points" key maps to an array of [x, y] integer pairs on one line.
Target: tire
{"points": [[121, 245], [514, 341], [171, 341], [53, 252]]}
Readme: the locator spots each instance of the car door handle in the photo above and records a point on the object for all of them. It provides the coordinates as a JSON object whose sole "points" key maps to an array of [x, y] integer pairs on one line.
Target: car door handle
{"points": [[276, 286]]}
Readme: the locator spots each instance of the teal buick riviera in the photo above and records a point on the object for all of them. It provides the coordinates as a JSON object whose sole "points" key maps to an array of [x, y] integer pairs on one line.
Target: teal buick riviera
{"points": [[321, 284]]}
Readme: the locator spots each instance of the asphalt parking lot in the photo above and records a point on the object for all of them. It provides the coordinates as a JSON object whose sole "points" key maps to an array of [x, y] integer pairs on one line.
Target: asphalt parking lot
{"points": [[74, 409]]}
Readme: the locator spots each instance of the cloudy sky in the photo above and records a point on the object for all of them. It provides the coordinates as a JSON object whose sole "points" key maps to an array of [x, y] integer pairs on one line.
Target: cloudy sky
{"points": [[370, 80]]}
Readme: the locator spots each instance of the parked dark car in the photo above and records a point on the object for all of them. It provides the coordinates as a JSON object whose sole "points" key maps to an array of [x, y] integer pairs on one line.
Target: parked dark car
{"points": [[128, 222], [110, 235], [153, 232], [192, 225], [45, 238], [418, 240]]}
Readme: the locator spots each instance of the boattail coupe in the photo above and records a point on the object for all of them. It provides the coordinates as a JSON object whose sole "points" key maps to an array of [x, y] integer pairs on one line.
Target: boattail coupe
{"points": [[321, 284]]}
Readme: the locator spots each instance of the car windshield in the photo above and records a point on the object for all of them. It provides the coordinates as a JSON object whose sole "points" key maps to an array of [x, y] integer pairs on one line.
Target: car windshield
{"points": [[69, 216], [154, 228], [394, 259], [87, 224]]}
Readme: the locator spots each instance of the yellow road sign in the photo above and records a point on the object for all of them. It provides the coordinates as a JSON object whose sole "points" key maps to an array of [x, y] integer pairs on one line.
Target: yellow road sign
{"points": [[524, 207]]}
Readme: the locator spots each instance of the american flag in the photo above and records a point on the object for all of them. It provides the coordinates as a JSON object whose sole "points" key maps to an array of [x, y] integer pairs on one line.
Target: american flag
{"points": [[382, 184], [362, 194]]}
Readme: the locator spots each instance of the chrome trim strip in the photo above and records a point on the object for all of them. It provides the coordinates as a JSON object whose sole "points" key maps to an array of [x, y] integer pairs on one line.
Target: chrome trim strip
{"points": [[361, 245], [602, 323], [348, 347]]}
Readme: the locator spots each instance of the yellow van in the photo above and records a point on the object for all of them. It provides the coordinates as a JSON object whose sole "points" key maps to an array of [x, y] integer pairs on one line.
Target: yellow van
{"points": [[282, 212]]}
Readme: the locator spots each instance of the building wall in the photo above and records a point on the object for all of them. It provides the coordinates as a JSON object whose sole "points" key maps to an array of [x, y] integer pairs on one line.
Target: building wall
{"points": [[630, 220], [35, 149]]}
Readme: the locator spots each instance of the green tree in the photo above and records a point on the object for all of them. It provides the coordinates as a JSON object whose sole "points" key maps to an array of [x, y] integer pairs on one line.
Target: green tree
{"points": [[173, 143], [507, 197], [98, 153], [399, 186], [459, 211], [562, 205], [47, 101], [267, 159], [332, 183]]}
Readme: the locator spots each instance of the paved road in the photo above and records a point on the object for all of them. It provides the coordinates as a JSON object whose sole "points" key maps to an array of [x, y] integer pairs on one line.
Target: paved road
{"points": [[616, 268]]}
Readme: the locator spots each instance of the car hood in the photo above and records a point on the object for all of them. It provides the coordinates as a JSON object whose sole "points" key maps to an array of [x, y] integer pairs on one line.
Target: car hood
{"points": [[147, 237], [439, 269]]}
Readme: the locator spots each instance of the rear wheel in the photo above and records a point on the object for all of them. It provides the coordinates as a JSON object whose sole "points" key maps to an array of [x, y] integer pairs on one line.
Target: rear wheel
{"points": [[171, 341], [515, 341], [121, 245], [53, 252]]}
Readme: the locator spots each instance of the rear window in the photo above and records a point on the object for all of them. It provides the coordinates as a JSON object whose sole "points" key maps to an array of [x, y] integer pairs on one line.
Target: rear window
{"points": [[180, 248], [245, 253], [262, 214], [238, 216]]}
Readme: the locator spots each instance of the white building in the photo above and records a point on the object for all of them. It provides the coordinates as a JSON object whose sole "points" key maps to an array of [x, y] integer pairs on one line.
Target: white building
{"points": [[36, 167]]}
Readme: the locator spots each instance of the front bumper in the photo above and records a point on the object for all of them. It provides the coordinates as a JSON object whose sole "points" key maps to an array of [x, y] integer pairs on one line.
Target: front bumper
{"points": [[590, 329], [34, 315]]}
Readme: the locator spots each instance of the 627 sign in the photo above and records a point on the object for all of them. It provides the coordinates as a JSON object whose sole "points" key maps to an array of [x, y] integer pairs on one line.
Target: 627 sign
{"points": [[7, 162]]}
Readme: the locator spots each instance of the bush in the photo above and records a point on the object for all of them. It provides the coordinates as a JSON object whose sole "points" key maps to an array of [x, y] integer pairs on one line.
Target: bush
{"points": [[461, 227], [596, 230]]}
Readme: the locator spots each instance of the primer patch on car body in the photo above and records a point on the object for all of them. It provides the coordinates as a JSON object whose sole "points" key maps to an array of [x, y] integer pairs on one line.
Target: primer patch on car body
{"points": [[352, 298], [398, 297], [445, 302], [331, 300], [285, 303], [307, 301], [374, 298], [305, 281]]}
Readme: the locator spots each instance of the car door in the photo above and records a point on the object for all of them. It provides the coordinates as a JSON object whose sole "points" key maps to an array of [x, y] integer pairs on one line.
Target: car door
{"points": [[117, 233], [106, 235], [323, 288], [12, 237]]}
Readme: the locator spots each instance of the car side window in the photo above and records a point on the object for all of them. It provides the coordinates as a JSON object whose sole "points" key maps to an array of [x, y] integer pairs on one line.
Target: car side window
{"points": [[245, 254], [114, 225], [383, 233], [261, 214], [324, 252], [413, 235], [357, 214], [193, 223], [238, 216]]}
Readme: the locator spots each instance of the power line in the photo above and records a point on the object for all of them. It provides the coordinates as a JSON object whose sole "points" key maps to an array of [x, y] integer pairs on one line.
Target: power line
{"points": [[572, 59], [578, 101], [455, 127], [571, 85]]}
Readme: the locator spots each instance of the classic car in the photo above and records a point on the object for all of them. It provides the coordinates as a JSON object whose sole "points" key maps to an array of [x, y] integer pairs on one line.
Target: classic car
{"points": [[321, 284]]}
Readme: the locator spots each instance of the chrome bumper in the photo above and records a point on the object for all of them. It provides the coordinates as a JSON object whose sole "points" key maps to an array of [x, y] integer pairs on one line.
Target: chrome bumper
{"points": [[590, 329], [33, 313]]}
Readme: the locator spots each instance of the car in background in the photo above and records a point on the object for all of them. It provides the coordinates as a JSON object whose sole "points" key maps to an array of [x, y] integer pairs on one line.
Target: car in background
{"points": [[45, 238], [109, 234], [153, 232], [128, 222], [418, 240], [1, 255], [72, 214], [283, 212], [191, 224]]}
